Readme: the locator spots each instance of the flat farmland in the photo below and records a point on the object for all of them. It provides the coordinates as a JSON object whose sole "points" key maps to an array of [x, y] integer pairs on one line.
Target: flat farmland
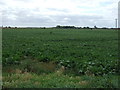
{"points": [[55, 58]]}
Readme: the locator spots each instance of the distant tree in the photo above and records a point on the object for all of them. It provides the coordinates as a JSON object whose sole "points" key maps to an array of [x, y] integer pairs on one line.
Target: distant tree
{"points": [[9, 27], [79, 27], [58, 26], [44, 28], [87, 27], [104, 28], [95, 27]]}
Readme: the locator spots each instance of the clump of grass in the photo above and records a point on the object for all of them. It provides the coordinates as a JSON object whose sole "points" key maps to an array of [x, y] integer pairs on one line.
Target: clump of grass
{"points": [[29, 80], [34, 66], [57, 80]]}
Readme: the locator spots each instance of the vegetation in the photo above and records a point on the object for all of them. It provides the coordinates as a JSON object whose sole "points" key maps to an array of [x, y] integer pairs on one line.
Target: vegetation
{"points": [[60, 58]]}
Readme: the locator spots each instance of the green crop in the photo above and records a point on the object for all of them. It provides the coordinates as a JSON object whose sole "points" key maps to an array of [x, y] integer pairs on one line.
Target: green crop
{"points": [[60, 58], [95, 51]]}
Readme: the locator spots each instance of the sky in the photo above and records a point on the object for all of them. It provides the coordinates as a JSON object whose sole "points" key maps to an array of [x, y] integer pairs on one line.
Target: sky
{"points": [[49, 13]]}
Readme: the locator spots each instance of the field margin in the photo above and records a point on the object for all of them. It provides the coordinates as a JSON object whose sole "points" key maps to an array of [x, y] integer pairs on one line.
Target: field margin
{"points": [[0, 58]]}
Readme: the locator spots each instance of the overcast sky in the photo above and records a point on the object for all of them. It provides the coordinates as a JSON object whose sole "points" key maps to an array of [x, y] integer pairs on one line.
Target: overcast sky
{"points": [[38, 13]]}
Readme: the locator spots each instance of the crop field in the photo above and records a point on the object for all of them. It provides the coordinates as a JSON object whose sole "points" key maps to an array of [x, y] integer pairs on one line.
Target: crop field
{"points": [[60, 58]]}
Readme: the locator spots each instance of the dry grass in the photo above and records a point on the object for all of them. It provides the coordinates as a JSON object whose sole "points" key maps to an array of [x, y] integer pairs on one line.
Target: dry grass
{"points": [[83, 83], [61, 70], [18, 71], [27, 76], [48, 66]]}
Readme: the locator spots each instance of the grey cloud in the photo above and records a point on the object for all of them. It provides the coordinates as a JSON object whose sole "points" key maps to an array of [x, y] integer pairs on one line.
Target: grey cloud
{"points": [[24, 0], [24, 18], [27, 18], [60, 10], [77, 20], [2, 3]]}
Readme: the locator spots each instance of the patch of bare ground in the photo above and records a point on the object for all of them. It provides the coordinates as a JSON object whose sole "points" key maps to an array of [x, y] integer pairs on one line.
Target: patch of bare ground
{"points": [[48, 66]]}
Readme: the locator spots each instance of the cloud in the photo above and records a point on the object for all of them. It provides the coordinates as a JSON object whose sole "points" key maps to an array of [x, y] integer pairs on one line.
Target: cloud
{"points": [[54, 12]]}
